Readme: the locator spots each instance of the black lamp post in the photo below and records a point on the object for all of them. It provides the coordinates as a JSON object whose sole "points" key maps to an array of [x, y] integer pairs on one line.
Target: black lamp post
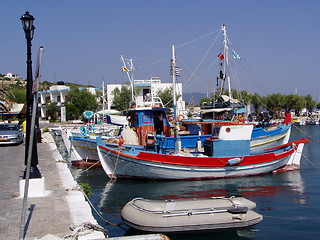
{"points": [[27, 23]]}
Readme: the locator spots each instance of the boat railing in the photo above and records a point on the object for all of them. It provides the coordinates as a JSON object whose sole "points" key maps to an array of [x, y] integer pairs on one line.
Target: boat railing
{"points": [[151, 102]]}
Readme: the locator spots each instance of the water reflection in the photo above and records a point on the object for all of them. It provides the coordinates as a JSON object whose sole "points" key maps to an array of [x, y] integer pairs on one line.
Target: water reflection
{"points": [[116, 194]]}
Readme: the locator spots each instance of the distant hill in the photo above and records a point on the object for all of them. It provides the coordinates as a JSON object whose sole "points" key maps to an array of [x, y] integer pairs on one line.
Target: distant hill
{"points": [[193, 97], [45, 85]]}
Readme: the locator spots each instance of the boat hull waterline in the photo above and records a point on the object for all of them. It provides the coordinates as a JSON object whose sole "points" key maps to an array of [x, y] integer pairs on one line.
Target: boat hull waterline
{"points": [[126, 164]]}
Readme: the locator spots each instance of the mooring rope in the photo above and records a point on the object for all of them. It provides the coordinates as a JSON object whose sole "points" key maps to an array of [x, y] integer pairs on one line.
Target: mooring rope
{"points": [[84, 229], [305, 133], [115, 167], [93, 207], [86, 169], [310, 137], [309, 161]]}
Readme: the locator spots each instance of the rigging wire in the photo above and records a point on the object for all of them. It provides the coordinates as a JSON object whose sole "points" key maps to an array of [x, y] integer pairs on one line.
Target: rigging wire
{"points": [[202, 59], [198, 38], [248, 69]]}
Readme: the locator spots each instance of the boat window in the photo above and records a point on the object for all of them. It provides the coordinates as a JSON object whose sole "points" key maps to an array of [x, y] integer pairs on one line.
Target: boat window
{"points": [[146, 118], [215, 131]]}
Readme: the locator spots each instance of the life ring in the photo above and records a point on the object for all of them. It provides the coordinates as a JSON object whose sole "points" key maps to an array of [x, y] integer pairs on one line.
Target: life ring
{"points": [[170, 118], [181, 117]]}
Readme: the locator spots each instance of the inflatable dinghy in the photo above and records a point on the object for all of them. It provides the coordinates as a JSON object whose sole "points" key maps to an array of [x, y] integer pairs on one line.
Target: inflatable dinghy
{"points": [[165, 216]]}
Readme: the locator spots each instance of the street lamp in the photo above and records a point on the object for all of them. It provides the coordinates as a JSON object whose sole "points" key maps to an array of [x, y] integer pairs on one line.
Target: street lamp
{"points": [[27, 23]]}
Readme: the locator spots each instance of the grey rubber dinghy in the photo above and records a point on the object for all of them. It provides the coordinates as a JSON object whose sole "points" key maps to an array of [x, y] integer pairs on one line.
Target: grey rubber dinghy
{"points": [[184, 215]]}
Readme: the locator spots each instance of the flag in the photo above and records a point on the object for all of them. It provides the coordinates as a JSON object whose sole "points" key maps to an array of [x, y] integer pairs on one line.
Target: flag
{"points": [[178, 71], [125, 69], [221, 56], [236, 55]]}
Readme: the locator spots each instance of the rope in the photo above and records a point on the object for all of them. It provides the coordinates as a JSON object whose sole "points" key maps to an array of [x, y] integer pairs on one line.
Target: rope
{"points": [[309, 160], [90, 203], [312, 138], [84, 170], [84, 229], [115, 167]]}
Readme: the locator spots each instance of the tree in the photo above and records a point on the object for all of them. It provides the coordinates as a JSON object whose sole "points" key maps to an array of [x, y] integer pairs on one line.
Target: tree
{"points": [[310, 103], [72, 113], [53, 111], [245, 96], [205, 100], [18, 95], [256, 101], [122, 98], [81, 100], [293, 101], [166, 96], [274, 102]]}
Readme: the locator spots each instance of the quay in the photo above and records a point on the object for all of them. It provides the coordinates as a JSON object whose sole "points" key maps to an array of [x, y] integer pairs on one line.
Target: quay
{"points": [[52, 215]]}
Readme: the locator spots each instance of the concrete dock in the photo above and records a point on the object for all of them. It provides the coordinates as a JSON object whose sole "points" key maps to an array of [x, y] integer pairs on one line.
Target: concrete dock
{"points": [[49, 216]]}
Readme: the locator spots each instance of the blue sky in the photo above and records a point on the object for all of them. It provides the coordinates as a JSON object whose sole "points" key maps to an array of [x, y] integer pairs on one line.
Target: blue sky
{"points": [[278, 41]]}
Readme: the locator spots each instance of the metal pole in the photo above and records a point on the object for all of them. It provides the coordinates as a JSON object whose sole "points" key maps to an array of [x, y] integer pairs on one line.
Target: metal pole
{"points": [[34, 171], [31, 154]]}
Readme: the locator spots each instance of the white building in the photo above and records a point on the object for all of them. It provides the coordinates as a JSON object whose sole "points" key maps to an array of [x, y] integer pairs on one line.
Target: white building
{"points": [[12, 75], [149, 87], [57, 94]]}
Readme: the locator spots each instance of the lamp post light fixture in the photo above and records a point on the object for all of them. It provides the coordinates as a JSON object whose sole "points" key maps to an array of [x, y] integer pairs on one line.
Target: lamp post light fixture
{"points": [[27, 23]]}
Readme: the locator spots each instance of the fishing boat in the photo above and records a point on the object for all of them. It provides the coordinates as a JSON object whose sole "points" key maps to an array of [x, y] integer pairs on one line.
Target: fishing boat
{"points": [[83, 143], [153, 119], [226, 154], [185, 215]]}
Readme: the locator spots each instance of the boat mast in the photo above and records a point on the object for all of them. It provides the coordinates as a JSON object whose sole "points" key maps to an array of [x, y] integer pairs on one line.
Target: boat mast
{"points": [[129, 70], [173, 66], [225, 61], [173, 72], [103, 104]]}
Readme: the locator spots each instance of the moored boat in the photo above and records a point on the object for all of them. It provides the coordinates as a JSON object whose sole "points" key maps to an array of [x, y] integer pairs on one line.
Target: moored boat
{"points": [[83, 143], [184, 215], [227, 154]]}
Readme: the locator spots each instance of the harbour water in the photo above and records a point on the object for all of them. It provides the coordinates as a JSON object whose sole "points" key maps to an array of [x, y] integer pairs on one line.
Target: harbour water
{"points": [[289, 202]]}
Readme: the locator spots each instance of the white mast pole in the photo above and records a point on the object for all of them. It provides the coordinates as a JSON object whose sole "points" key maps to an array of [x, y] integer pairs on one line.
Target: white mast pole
{"points": [[226, 57], [103, 100], [174, 84], [177, 143], [129, 75]]}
